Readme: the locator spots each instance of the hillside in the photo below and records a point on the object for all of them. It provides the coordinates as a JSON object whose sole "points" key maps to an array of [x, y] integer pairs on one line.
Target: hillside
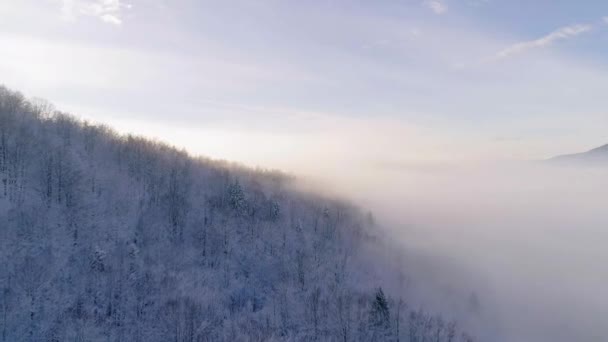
{"points": [[117, 238], [598, 155]]}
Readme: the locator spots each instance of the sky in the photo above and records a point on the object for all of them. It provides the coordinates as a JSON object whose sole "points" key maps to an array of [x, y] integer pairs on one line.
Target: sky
{"points": [[290, 84]]}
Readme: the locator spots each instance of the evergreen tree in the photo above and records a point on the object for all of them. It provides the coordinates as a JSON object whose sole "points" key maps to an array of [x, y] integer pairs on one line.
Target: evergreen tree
{"points": [[379, 315]]}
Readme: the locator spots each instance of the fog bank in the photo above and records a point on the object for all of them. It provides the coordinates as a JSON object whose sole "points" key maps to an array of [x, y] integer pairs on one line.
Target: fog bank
{"points": [[526, 241]]}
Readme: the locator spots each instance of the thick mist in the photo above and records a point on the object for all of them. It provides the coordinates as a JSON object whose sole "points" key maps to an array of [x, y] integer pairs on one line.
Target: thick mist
{"points": [[516, 250]]}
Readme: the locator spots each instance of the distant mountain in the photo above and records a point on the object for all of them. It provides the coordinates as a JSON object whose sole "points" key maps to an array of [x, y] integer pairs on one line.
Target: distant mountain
{"points": [[598, 155], [106, 237]]}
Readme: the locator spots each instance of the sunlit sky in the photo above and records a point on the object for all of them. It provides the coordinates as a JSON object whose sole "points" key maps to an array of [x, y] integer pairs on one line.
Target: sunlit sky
{"points": [[286, 83]]}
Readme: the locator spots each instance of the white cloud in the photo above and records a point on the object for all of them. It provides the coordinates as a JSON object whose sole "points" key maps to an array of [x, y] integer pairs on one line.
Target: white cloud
{"points": [[108, 11], [436, 6], [111, 19], [559, 34], [605, 19]]}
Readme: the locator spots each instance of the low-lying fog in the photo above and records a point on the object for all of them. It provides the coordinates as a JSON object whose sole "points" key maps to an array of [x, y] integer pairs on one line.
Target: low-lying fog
{"points": [[520, 247]]}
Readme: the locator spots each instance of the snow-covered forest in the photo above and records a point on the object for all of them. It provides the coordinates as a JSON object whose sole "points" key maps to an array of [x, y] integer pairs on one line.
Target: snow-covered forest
{"points": [[105, 237]]}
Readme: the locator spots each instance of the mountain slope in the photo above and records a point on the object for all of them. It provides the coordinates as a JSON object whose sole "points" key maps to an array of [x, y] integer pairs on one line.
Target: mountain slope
{"points": [[118, 238], [598, 155]]}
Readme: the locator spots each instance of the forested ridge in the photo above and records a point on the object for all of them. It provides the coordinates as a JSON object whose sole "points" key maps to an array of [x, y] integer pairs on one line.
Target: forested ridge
{"points": [[108, 237]]}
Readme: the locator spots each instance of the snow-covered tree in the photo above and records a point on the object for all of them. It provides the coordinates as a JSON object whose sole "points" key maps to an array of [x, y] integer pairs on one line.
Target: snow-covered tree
{"points": [[117, 238]]}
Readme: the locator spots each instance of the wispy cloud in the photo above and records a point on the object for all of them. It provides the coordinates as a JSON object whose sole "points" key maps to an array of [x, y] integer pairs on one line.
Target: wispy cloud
{"points": [[605, 19], [108, 11], [111, 19], [436, 6], [559, 34]]}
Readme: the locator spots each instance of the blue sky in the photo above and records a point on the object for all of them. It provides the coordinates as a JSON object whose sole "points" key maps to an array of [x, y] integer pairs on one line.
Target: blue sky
{"points": [[284, 83]]}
